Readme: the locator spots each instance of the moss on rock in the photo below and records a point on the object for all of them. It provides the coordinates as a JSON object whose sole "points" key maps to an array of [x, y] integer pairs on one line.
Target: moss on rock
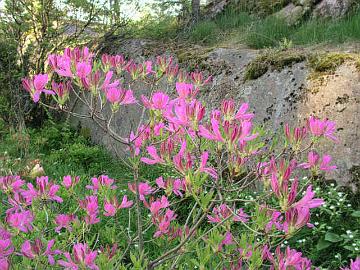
{"points": [[272, 60], [328, 62]]}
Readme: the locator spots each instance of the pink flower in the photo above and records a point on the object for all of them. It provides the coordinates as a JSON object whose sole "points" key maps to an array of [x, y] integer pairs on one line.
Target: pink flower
{"points": [[103, 181], [155, 157], [106, 84], [295, 219], [111, 206], [36, 249], [61, 64], [198, 78], [307, 201], [120, 96], [91, 206], [228, 240], [36, 85], [157, 205], [159, 101], [21, 220], [63, 221], [210, 171], [354, 265], [163, 223], [6, 248], [186, 90], [69, 182], [223, 212], [296, 136], [62, 91], [213, 134], [242, 114], [314, 160], [11, 183], [45, 191], [4, 264], [83, 256], [324, 128], [291, 259], [83, 69], [143, 188]]}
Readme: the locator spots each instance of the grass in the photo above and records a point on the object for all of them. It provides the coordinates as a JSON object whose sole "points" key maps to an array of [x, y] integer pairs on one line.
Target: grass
{"points": [[268, 32]]}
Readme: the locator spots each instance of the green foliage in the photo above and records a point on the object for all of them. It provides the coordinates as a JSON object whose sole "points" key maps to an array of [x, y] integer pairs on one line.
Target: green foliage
{"points": [[165, 27], [60, 150]]}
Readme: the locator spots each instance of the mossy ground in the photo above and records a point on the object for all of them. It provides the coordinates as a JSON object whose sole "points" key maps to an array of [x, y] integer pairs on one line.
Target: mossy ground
{"points": [[272, 60], [320, 63]]}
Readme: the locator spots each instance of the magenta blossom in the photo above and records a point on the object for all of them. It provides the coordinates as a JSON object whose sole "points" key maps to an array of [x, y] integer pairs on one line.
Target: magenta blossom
{"points": [[91, 206], [163, 222], [38, 249], [295, 219], [103, 181], [70, 182], [155, 157], [159, 101], [83, 69], [6, 249], [62, 91], [324, 128], [186, 90], [21, 220], [308, 200], [143, 189], [315, 163], [82, 257], [112, 206], [11, 183], [223, 211], [291, 259], [210, 171], [36, 85], [157, 205], [228, 240], [63, 221], [46, 190], [118, 96], [354, 265]]}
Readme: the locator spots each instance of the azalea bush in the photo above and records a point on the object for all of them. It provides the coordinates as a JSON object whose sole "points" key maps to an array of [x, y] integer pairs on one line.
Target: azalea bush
{"points": [[195, 213]]}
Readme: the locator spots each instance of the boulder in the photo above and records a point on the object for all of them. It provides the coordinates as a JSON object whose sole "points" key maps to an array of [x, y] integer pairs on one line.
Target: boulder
{"points": [[332, 8], [292, 14]]}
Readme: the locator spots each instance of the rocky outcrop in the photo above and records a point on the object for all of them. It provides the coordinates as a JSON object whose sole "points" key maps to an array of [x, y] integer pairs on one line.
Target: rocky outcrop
{"points": [[292, 13], [290, 93], [297, 10], [332, 8]]}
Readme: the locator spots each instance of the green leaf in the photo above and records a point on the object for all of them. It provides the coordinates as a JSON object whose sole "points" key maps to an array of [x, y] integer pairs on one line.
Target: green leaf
{"points": [[332, 237], [322, 244], [356, 214]]}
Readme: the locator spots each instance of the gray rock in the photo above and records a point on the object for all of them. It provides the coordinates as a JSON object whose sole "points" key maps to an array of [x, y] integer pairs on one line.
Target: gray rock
{"points": [[292, 14], [332, 8]]}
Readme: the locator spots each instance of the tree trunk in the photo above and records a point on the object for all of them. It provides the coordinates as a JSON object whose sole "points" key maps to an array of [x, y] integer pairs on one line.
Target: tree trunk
{"points": [[195, 10]]}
